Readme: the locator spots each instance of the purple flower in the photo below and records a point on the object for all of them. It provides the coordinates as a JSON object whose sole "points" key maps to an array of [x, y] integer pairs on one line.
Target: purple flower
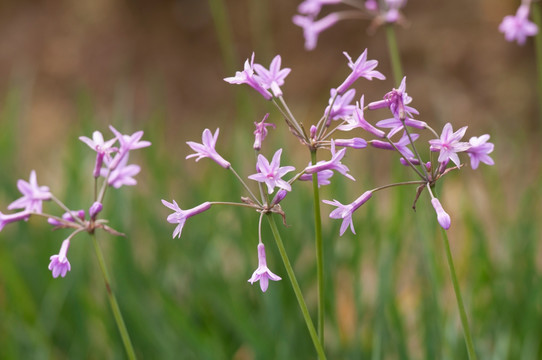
{"points": [[9, 218], [397, 100], [94, 210], [122, 173], [312, 28], [396, 125], [102, 148], [479, 150], [274, 77], [271, 173], [401, 145], [68, 217], [127, 143], [313, 7], [207, 148], [355, 143], [357, 120], [33, 195], [262, 273], [261, 132], [59, 264], [247, 77], [518, 27], [180, 216], [342, 108], [442, 216], [322, 176], [449, 144], [360, 68], [333, 164], [345, 211]]}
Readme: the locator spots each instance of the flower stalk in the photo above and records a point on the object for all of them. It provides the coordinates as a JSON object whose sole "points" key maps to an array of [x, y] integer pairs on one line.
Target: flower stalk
{"points": [[395, 58], [113, 302]]}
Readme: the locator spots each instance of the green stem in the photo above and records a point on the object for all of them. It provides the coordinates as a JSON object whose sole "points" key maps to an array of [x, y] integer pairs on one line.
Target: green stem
{"points": [[319, 250], [537, 17], [394, 54], [460, 305], [295, 286], [113, 302]]}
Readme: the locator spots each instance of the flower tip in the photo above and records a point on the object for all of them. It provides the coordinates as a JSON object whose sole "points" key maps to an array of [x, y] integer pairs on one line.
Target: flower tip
{"points": [[442, 216]]}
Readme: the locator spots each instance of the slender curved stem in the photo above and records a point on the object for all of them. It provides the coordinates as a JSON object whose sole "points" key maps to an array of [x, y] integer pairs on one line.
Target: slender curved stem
{"points": [[295, 286], [319, 251], [394, 55], [113, 302], [460, 305]]}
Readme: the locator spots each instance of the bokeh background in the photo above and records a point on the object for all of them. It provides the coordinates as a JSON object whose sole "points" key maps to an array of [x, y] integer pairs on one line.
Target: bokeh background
{"points": [[68, 68]]}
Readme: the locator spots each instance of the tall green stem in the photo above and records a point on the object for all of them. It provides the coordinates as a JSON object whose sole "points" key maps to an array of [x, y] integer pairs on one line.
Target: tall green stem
{"points": [[537, 17], [460, 305], [395, 58], [295, 286], [319, 251], [113, 302]]}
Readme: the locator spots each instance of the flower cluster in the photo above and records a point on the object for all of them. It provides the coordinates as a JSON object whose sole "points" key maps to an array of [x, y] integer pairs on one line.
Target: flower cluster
{"points": [[111, 164], [382, 12], [518, 27]]}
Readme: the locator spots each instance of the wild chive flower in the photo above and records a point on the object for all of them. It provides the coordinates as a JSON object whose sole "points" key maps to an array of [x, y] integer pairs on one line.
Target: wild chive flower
{"points": [[33, 195], [341, 108], [273, 78], [442, 216], [9, 218], [479, 151], [354, 143], [207, 148], [518, 27], [313, 7], [397, 101], [360, 68], [312, 28], [271, 173], [449, 144], [345, 211], [127, 143], [333, 164], [122, 174], [59, 264], [179, 216], [261, 132], [357, 120], [322, 176], [262, 273], [247, 77], [102, 148]]}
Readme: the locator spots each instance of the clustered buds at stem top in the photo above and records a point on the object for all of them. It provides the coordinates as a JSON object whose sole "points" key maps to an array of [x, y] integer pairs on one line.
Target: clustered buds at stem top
{"points": [[207, 148], [262, 273], [518, 27]]}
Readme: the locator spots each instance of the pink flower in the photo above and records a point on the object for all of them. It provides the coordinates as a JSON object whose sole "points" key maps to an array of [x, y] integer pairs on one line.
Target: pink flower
{"points": [[333, 164], [397, 100], [179, 216], [9, 218], [102, 148], [262, 273], [345, 211], [274, 77], [207, 148], [59, 264], [442, 216], [518, 27], [33, 195], [271, 173], [247, 77], [322, 176], [360, 68], [313, 7], [357, 120], [401, 145], [342, 108], [127, 143], [449, 144], [122, 174], [312, 28], [261, 132], [354, 143], [479, 150]]}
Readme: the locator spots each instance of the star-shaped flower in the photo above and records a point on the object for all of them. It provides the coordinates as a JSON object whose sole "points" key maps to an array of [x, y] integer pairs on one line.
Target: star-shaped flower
{"points": [[449, 144], [479, 151], [360, 68], [179, 216], [333, 164], [207, 148], [345, 211], [271, 173], [274, 77], [33, 195], [518, 27], [262, 273], [247, 77]]}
